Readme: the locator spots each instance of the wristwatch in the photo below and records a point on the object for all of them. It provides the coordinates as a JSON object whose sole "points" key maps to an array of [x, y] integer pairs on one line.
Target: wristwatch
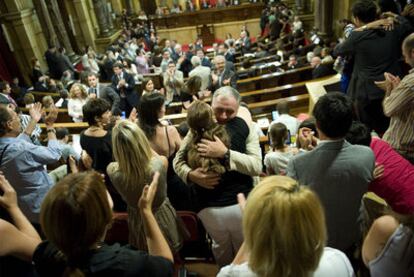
{"points": [[51, 130]]}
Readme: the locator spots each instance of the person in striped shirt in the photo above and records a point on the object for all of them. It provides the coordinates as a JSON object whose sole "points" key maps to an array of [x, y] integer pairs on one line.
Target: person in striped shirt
{"points": [[398, 104]]}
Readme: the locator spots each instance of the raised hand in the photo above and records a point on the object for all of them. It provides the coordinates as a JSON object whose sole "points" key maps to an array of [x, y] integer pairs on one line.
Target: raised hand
{"points": [[148, 194], [51, 117], [306, 139], [121, 83], [241, 199], [86, 160], [72, 164], [35, 111], [393, 80], [133, 116], [9, 199], [226, 82]]}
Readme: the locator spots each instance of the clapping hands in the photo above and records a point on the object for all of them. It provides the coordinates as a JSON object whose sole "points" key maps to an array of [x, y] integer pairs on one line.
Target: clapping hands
{"points": [[9, 198], [51, 117], [307, 139], [390, 82], [36, 112]]}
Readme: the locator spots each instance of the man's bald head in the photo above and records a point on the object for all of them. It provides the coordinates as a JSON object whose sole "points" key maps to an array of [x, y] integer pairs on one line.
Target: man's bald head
{"points": [[316, 61]]}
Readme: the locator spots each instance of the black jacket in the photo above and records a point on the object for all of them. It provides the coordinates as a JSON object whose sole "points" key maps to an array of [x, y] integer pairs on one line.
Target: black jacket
{"points": [[374, 52], [322, 70], [129, 90]]}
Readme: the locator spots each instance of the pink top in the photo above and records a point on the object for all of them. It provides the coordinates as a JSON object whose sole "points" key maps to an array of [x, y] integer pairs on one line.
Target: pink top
{"points": [[396, 186], [142, 65]]}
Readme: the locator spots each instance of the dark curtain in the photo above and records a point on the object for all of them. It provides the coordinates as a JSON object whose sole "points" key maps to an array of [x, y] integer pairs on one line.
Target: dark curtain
{"points": [[8, 65], [149, 6]]}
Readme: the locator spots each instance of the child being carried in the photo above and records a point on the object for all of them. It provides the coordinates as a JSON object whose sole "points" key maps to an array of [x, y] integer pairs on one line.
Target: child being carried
{"points": [[202, 126]]}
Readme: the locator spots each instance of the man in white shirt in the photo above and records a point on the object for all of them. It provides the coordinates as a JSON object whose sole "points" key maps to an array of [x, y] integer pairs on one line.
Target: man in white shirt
{"points": [[291, 122]]}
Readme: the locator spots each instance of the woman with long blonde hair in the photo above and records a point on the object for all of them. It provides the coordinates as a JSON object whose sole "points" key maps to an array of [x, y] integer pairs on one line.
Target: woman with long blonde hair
{"points": [[135, 164], [285, 234]]}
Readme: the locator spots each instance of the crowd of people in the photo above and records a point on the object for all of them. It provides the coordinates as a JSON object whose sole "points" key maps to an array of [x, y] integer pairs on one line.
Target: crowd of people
{"points": [[191, 6], [301, 210]]}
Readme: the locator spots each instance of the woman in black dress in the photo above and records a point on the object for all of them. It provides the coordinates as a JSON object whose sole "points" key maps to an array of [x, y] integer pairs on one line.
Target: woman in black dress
{"points": [[97, 142], [165, 140]]}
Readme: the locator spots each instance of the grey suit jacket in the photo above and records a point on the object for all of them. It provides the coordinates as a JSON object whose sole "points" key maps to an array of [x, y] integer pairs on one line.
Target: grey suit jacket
{"points": [[339, 173], [110, 95], [204, 73]]}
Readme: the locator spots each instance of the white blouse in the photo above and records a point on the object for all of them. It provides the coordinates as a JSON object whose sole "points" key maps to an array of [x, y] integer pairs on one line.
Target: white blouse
{"points": [[75, 106]]}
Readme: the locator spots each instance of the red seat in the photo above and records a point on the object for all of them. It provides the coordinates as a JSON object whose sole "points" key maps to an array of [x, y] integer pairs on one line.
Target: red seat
{"points": [[79, 66], [192, 223], [119, 229], [196, 244]]}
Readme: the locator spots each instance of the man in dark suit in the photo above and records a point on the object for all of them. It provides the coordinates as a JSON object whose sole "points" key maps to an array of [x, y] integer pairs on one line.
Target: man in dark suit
{"points": [[276, 27], [223, 49], [55, 62], [204, 60], [245, 43], [222, 76], [336, 170], [67, 63], [96, 90], [124, 85], [375, 51], [320, 69], [293, 62]]}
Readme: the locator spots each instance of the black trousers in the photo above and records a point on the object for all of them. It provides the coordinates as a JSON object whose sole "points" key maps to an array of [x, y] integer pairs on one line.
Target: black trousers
{"points": [[372, 115], [125, 106]]}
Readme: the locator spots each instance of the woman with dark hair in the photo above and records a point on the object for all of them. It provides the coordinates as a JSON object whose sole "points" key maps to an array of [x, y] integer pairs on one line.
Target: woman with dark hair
{"points": [[131, 69], [75, 215], [156, 58], [148, 87], [97, 142], [165, 140]]}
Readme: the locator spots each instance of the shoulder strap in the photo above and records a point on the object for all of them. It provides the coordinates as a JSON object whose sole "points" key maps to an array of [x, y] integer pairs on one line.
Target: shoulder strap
{"points": [[2, 153]]}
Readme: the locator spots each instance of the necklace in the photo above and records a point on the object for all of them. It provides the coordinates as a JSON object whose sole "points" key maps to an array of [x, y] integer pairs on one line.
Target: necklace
{"points": [[94, 128]]}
